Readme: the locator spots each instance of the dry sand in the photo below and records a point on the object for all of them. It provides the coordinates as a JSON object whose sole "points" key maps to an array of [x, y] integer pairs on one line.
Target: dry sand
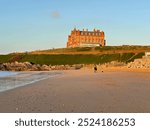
{"points": [[82, 91]]}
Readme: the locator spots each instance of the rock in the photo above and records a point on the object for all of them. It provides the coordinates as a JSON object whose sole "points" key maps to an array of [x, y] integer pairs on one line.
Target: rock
{"points": [[113, 64], [34, 68], [53, 67], [27, 66], [144, 62], [45, 68], [38, 66], [2, 67], [79, 66]]}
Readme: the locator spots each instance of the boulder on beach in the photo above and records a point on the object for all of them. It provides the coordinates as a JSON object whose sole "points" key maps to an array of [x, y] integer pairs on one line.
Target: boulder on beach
{"points": [[28, 66], [144, 63]]}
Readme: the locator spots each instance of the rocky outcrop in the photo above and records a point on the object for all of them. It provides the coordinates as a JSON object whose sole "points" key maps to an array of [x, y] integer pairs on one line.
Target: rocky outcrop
{"points": [[140, 63], [114, 64], [27, 66]]}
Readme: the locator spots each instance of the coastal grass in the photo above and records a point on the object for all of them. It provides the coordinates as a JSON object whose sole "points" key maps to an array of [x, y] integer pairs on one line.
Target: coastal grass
{"points": [[5, 58], [70, 59], [112, 49]]}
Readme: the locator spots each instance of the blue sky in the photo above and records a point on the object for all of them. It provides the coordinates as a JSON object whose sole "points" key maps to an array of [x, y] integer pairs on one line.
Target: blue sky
{"points": [[27, 25]]}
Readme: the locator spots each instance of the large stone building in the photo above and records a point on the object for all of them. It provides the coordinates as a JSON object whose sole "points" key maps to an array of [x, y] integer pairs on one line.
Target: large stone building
{"points": [[86, 38]]}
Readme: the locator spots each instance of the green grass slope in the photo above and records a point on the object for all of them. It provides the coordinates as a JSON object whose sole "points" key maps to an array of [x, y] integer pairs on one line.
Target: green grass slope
{"points": [[113, 49], [63, 59]]}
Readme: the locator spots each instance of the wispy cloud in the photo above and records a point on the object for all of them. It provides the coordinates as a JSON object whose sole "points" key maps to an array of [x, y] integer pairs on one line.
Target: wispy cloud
{"points": [[55, 14]]}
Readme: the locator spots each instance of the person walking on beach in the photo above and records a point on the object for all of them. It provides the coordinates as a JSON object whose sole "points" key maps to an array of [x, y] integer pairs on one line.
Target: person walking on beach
{"points": [[95, 68]]}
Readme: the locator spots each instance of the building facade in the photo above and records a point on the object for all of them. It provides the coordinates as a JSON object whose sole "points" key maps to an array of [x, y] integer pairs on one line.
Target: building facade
{"points": [[86, 38]]}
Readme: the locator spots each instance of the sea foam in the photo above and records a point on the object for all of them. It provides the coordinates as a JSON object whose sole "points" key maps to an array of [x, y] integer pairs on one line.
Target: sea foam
{"points": [[11, 80]]}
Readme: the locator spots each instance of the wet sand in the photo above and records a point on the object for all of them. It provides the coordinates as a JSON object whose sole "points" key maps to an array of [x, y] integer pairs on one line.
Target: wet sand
{"points": [[82, 91]]}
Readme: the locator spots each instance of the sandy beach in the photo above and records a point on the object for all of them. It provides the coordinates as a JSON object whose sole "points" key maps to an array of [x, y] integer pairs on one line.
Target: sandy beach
{"points": [[82, 91]]}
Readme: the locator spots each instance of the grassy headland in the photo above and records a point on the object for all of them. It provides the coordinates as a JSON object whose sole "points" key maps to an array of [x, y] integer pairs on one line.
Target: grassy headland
{"points": [[78, 55], [95, 50]]}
